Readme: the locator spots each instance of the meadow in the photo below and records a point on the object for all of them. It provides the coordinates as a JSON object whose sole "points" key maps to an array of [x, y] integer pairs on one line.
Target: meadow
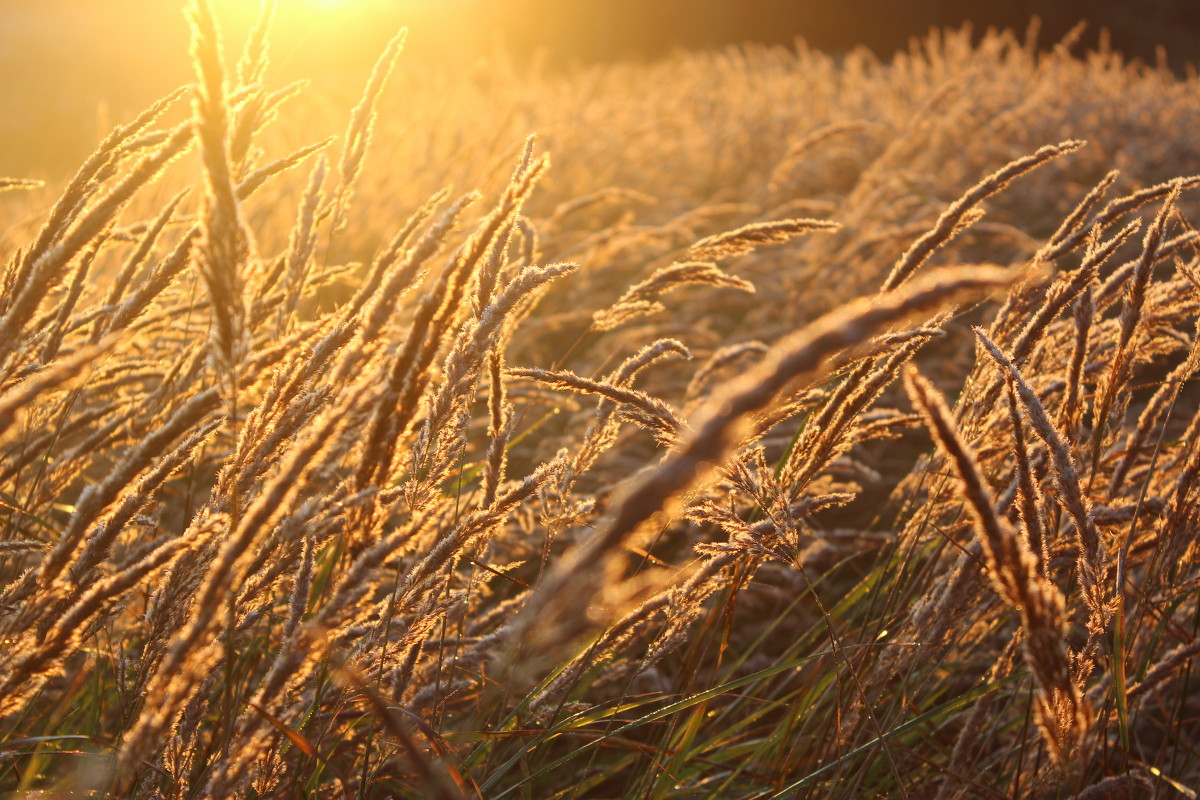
{"points": [[755, 423]]}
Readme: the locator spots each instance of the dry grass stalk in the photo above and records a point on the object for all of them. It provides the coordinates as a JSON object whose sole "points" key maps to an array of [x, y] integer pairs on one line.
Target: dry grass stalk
{"points": [[1029, 496], [177, 677], [750, 237], [950, 223], [638, 300], [362, 123], [1083, 314], [1071, 233], [301, 244], [717, 425], [1092, 560], [1163, 398], [1131, 315], [11, 184], [40, 270], [1012, 567], [225, 245]]}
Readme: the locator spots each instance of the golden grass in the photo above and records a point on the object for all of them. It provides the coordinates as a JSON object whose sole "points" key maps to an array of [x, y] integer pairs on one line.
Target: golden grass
{"points": [[306, 493]]}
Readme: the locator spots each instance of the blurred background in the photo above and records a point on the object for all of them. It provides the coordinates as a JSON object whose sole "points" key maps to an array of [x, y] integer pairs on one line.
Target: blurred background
{"points": [[601, 29], [71, 67]]}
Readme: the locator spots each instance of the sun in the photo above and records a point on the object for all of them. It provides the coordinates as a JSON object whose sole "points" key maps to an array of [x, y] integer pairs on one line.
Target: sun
{"points": [[245, 11], [341, 8]]}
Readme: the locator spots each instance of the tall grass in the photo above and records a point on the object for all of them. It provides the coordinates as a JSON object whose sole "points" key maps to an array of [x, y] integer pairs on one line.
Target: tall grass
{"points": [[315, 487]]}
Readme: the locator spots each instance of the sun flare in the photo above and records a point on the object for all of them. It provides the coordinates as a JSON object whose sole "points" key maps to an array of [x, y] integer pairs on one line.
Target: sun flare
{"points": [[303, 9]]}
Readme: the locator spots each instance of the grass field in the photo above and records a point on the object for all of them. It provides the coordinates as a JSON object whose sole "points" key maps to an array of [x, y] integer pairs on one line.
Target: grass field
{"points": [[814, 426]]}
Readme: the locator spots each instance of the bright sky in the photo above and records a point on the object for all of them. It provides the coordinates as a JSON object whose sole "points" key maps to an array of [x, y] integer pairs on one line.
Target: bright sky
{"points": [[68, 62]]}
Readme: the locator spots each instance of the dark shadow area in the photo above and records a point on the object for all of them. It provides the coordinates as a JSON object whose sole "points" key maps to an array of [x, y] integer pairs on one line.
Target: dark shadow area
{"points": [[587, 30]]}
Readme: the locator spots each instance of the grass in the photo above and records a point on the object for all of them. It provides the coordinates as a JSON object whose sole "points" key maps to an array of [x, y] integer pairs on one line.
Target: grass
{"points": [[827, 433]]}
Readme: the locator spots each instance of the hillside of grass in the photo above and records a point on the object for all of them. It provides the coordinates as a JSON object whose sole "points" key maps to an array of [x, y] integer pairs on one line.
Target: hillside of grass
{"points": [[754, 423]]}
